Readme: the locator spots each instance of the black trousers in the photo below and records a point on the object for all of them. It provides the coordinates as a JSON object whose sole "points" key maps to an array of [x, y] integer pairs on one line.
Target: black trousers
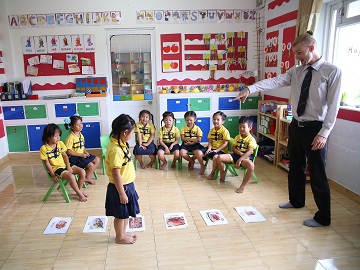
{"points": [[299, 148]]}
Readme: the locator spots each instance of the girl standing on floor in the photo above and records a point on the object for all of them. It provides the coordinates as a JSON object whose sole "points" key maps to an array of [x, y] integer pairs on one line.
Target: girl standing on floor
{"points": [[145, 133], [191, 136], [169, 137], [219, 138], [77, 153], [53, 153], [121, 196]]}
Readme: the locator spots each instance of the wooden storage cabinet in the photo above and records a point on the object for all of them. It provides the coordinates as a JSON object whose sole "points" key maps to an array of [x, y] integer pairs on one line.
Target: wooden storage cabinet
{"points": [[282, 157]]}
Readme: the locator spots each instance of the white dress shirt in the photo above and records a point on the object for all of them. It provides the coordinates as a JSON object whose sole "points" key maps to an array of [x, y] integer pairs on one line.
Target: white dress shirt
{"points": [[324, 94]]}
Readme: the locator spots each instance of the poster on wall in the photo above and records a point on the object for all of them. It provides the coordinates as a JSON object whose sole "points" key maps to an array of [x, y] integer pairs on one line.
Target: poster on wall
{"points": [[40, 44], [171, 55], [77, 42], [65, 43], [27, 44], [53, 44], [89, 43], [41, 20]]}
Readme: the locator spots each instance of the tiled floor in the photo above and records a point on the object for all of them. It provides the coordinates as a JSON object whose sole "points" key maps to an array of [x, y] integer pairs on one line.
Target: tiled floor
{"points": [[282, 242]]}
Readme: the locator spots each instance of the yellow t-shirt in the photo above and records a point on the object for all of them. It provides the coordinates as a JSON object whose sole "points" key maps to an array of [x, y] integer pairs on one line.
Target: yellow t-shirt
{"points": [[191, 133], [169, 137], [54, 155], [118, 156], [218, 137], [145, 131], [243, 144], [74, 143]]}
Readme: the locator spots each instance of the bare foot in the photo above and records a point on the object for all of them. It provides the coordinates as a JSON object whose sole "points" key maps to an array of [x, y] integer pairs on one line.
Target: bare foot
{"points": [[173, 164], [126, 239], [89, 181], [82, 198], [222, 178], [142, 166], [202, 170], [85, 194], [130, 234], [211, 176], [240, 190], [149, 165], [163, 165], [191, 165]]}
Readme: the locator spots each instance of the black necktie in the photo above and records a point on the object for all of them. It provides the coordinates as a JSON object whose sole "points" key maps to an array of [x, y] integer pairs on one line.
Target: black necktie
{"points": [[304, 92]]}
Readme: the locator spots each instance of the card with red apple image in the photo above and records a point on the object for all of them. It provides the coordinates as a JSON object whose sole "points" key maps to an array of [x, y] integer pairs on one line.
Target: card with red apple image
{"points": [[170, 65], [171, 48]]}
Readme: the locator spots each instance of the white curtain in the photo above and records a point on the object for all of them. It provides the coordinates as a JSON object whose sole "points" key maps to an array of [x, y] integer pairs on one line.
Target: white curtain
{"points": [[308, 15]]}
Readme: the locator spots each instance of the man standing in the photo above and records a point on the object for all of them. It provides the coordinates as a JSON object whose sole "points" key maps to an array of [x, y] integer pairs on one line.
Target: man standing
{"points": [[315, 100]]}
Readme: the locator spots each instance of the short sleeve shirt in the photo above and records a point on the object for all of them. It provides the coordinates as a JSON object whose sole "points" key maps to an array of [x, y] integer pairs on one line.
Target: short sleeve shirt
{"points": [[74, 143], [218, 137], [243, 144], [191, 133], [119, 157], [169, 137], [54, 155], [145, 131]]}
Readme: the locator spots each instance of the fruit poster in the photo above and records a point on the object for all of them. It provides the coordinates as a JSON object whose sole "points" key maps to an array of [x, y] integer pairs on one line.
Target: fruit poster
{"points": [[213, 217], [171, 53], [175, 221], [58, 225]]}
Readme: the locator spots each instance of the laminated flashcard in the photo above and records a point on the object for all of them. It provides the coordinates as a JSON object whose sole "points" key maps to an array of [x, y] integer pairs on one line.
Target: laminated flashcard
{"points": [[23, 20], [58, 225], [171, 47], [41, 20], [65, 43], [168, 16], [175, 221], [87, 70], [229, 16], [34, 60], [79, 18], [46, 59], [14, 21], [185, 16], [249, 15], [220, 14], [72, 58], [140, 16], [88, 18], [203, 17], [159, 16], [58, 64], [212, 17], [40, 44], [213, 217], [50, 20], [150, 16], [97, 18], [175, 16], [249, 214], [32, 20], [28, 45], [106, 17], [32, 70], [136, 224], [89, 43], [95, 224], [69, 19], [194, 16], [53, 44], [77, 42], [237, 16], [85, 61], [60, 19], [170, 66], [115, 17]]}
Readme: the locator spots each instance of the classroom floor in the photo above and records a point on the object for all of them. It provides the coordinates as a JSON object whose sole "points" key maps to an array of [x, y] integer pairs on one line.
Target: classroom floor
{"points": [[282, 242]]}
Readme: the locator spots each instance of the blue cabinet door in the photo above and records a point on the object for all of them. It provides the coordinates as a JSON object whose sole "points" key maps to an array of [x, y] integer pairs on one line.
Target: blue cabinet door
{"points": [[91, 132], [177, 104], [35, 133], [13, 112], [228, 103], [204, 125], [65, 110]]}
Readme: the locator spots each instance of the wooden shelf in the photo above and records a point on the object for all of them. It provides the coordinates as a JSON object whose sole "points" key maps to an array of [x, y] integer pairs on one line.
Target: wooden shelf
{"points": [[268, 135]]}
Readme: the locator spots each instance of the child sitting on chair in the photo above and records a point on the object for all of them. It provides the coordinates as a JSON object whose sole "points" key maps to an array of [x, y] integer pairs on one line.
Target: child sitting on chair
{"points": [[242, 150], [53, 153], [77, 153]]}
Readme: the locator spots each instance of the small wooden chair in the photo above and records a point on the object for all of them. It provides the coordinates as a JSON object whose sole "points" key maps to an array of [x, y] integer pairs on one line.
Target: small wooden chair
{"points": [[104, 141]]}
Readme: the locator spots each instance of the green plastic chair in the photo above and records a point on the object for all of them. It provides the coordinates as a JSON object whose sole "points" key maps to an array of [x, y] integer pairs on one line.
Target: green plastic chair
{"points": [[104, 142], [231, 141], [231, 167]]}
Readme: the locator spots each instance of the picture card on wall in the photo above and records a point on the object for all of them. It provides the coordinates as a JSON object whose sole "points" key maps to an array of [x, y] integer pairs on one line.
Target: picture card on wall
{"points": [[88, 18], [171, 47], [46, 59], [212, 17], [170, 65], [32, 20], [77, 42], [53, 44], [72, 58], [115, 17], [175, 16], [185, 16], [87, 70], [60, 19], [28, 45], [95, 224], [203, 16], [65, 43], [79, 18], [32, 70], [106, 17], [58, 64], [175, 221], [249, 214], [14, 21], [97, 18], [159, 16], [73, 68], [69, 19], [136, 224], [150, 16], [34, 60], [40, 44], [58, 225], [140, 16], [50, 20], [213, 217], [23, 20], [89, 43], [41, 20]]}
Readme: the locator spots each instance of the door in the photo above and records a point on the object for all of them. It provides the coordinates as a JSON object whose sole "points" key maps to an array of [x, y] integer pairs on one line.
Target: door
{"points": [[132, 79]]}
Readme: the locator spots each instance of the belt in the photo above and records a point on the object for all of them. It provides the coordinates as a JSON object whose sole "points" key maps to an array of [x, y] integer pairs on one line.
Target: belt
{"points": [[306, 123]]}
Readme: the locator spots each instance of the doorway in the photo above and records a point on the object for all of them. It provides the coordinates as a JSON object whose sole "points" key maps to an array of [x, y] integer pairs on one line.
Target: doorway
{"points": [[132, 73]]}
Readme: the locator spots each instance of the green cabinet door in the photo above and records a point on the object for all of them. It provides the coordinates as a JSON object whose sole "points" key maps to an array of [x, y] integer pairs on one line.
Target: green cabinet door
{"points": [[35, 111], [179, 123], [199, 104], [64, 132], [231, 123], [251, 103], [88, 108], [17, 139]]}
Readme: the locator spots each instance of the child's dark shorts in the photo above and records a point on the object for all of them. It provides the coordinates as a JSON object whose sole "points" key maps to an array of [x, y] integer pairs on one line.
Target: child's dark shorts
{"points": [[118, 210], [235, 157], [81, 162], [175, 147], [192, 148], [211, 154], [150, 150]]}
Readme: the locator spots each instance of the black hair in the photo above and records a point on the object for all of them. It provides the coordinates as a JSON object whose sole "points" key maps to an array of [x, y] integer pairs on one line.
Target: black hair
{"points": [[166, 114], [191, 114], [49, 132], [223, 115], [151, 116], [247, 120], [73, 119]]}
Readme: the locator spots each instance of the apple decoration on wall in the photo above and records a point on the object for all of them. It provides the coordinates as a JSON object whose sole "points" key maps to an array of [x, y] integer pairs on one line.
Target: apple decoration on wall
{"points": [[171, 47], [170, 65]]}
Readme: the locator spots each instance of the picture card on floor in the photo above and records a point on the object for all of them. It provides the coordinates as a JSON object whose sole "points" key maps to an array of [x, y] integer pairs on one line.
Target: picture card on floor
{"points": [[58, 225], [136, 224], [95, 224], [213, 217], [175, 221], [249, 214]]}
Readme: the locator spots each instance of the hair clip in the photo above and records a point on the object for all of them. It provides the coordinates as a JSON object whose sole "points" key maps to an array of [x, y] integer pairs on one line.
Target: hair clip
{"points": [[67, 120], [76, 114]]}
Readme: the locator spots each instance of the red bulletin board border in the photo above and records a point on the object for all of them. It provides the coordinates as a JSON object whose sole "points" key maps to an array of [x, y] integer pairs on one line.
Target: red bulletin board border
{"points": [[282, 19], [48, 70]]}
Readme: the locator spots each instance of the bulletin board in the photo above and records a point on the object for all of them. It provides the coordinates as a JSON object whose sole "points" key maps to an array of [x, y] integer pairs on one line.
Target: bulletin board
{"points": [[49, 70]]}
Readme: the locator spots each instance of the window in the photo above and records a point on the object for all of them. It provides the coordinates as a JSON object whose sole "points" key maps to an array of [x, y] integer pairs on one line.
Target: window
{"points": [[343, 48]]}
